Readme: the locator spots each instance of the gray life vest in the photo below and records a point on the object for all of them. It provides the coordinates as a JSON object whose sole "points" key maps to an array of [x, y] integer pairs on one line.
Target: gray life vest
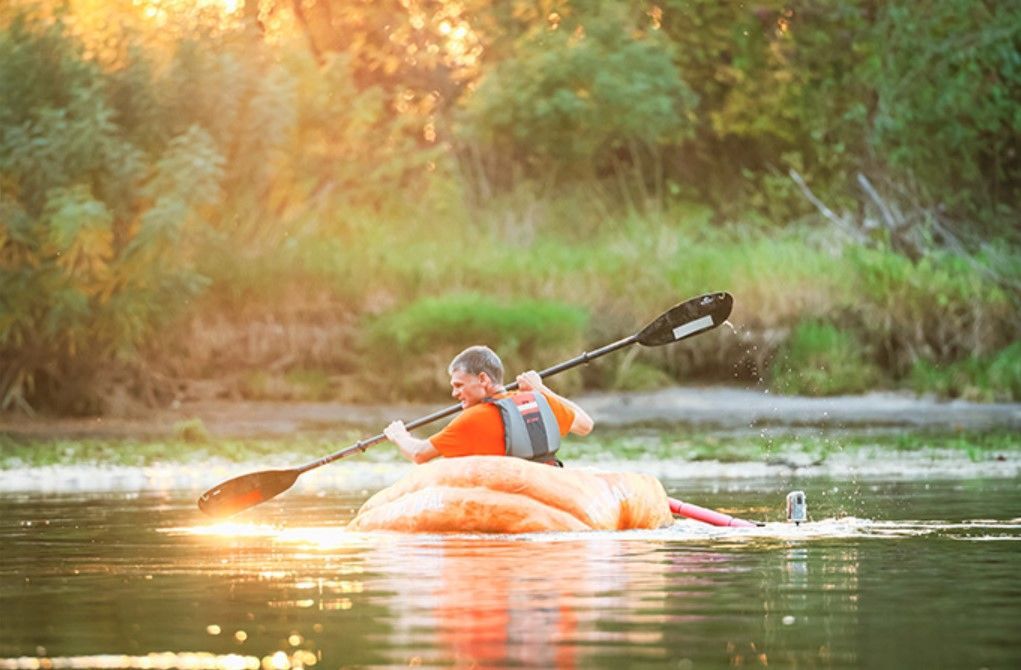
{"points": [[529, 426]]}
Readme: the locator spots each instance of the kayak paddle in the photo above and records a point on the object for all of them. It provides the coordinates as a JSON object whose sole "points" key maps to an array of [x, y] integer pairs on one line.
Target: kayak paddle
{"points": [[682, 321]]}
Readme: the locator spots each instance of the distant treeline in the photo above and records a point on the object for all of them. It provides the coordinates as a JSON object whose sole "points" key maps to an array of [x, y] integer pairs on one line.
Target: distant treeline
{"points": [[317, 199]]}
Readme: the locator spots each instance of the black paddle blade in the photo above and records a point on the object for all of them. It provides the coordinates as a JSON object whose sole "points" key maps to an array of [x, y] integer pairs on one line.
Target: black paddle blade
{"points": [[240, 493], [688, 318]]}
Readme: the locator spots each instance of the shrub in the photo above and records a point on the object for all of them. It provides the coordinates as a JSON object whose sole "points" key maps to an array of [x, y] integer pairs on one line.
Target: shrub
{"points": [[820, 359], [982, 378], [520, 325], [430, 331], [191, 430], [92, 260], [637, 376]]}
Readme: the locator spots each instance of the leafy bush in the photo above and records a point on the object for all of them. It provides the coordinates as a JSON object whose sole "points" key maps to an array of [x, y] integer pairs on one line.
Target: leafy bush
{"points": [[636, 376], [575, 99], [141, 164], [426, 334], [192, 431], [93, 237], [820, 359], [988, 378], [942, 307], [520, 325]]}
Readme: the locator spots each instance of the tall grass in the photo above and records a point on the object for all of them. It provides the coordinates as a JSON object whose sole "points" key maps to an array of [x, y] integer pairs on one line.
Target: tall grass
{"points": [[820, 359], [419, 339], [844, 318], [983, 378]]}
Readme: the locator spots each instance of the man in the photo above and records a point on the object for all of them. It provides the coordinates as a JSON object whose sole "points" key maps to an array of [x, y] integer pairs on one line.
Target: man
{"points": [[527, 423]]}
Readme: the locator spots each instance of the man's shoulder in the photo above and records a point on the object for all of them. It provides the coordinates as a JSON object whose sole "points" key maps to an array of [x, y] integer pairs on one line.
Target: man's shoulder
{"points": [[478, 410]]}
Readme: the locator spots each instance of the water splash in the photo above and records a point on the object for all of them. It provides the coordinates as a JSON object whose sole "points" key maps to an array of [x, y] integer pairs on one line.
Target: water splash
{"points": [[319, 537]]}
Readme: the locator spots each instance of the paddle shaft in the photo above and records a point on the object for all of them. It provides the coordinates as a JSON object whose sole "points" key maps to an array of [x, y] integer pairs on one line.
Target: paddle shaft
{"points": [[362, 445]]}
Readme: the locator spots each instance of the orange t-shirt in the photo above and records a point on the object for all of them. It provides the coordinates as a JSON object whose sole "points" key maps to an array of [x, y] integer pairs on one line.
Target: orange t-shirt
{"points": [[478, 430]]}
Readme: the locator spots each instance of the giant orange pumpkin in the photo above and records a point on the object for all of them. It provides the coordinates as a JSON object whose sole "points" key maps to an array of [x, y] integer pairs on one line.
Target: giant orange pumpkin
{"points": [[497, 494]]}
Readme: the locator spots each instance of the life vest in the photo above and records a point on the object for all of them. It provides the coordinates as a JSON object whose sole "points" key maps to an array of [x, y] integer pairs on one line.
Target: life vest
{"points": [[530, 429]]}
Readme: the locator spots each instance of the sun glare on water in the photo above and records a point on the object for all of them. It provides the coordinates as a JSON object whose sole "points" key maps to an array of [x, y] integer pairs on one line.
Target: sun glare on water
{"points": [[316, 537], [167, 660]]}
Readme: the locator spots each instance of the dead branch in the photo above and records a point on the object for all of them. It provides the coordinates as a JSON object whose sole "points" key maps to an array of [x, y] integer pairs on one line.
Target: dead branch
{"points": [[844, 223]]}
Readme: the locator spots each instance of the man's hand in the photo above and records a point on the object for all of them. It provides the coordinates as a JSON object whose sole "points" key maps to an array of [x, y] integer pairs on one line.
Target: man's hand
{"points": [[396, 432], [413, 448], [530, 381]]}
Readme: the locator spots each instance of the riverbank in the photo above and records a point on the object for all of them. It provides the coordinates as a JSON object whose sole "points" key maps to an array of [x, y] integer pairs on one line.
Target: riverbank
{"points": [[852, 466], [706, 408], [722, 434]]}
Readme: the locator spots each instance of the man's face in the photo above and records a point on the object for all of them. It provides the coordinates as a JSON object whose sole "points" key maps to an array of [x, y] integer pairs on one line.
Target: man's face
{"points": [[468, 388]]}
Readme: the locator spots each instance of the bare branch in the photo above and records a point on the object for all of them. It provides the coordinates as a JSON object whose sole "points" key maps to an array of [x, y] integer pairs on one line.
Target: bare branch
{"points": [[841, 222]]}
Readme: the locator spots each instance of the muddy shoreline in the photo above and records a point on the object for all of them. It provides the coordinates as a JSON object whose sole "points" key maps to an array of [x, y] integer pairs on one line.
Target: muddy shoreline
{"points": [[702, 408]]}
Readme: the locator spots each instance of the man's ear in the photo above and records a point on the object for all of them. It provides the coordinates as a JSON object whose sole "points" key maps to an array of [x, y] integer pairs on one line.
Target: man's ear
{"points": [[487, 381]]}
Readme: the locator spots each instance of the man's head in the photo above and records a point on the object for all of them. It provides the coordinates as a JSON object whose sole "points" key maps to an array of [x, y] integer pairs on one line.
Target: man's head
{"points": [[475, 374]]}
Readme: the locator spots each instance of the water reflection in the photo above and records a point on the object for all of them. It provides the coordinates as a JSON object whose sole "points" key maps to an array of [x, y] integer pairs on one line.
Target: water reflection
{"points": [[532, 603], [94, 583], [782, 593], [539, 601]]}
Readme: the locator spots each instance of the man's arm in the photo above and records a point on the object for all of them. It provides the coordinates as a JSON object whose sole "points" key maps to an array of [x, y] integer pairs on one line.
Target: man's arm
{"points": [[414, 449], [531, 381]]}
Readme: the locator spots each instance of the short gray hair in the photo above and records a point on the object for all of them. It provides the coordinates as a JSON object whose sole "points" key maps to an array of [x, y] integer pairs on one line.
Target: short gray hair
{"points": [[476, 360]]}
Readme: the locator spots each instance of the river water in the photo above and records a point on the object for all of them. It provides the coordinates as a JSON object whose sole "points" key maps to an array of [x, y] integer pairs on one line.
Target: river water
{"points": [[916, 574]]}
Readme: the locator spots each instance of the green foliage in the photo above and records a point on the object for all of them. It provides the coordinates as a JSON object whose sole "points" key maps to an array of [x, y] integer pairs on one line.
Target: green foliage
{"points": [[947, 82], [192, 431], [298, 384], [666, 444], [926, 98], [820, 359], [942, 307], [573, 99], [523, 326], [305, 172], [981, 378], [638, 376], [419, 340], [83, 280]]}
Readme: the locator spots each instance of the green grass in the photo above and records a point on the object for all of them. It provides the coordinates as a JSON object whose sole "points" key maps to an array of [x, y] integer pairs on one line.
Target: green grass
{"points": [[519, 325], [398, 301], [137, 452], [981, 378], [192, 431], [731, 448], [821, 359], [637, 444], [858, 317], [418, 340]]}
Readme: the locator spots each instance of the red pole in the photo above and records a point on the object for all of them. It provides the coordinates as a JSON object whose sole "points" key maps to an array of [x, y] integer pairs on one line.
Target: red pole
{"points": [[708, 516]]}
